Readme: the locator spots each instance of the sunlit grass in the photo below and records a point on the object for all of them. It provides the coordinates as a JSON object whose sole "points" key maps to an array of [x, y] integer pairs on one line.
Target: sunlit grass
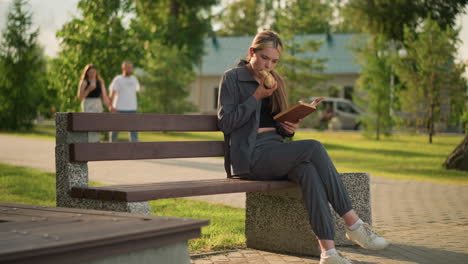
{"points": [[226, 229], [27, 186], [40, 132], [401, 156]]}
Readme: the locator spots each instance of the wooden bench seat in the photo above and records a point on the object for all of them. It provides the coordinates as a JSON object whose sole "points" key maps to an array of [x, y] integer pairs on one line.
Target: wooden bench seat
{"points": [[154, 191]]}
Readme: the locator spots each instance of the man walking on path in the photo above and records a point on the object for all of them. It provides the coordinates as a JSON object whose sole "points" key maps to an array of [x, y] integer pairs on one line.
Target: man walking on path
{"points": [[123, 96]]}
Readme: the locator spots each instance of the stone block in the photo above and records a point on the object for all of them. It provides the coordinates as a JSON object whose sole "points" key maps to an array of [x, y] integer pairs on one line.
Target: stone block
{"points": [[278, 221], [75, 174]]}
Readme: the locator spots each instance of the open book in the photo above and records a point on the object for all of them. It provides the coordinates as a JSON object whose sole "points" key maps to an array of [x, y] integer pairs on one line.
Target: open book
{"points": [[297, 111]]}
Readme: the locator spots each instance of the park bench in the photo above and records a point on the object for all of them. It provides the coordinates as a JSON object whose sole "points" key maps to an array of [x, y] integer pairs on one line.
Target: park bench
{"points": [[276, 219]]}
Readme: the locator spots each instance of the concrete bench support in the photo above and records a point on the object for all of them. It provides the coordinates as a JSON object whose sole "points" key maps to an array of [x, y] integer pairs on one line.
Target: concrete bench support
{"points": [[278, 221], [75, 174]]}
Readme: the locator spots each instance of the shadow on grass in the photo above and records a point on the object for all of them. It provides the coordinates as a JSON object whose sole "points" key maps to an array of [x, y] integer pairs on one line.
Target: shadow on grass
{"points": [[385, 152], [427, 173], [46, 131]]}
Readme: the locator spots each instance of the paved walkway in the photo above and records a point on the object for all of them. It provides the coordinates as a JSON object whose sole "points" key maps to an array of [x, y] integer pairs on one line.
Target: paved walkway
{"points": [[426, 222]]}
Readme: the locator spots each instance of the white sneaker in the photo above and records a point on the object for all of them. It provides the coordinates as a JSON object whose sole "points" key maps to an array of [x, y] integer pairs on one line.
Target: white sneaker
{"points": [[334, 258], [367, 238]]}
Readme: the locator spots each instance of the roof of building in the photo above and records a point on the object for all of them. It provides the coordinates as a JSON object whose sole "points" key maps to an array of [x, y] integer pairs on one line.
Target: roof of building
{"points": [[231, 49]]}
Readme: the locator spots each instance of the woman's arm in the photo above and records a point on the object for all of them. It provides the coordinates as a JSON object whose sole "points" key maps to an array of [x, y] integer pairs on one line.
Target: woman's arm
{"points": [[82, 92], [113, 93], [105, 98], [232, 115], [287, 129]]}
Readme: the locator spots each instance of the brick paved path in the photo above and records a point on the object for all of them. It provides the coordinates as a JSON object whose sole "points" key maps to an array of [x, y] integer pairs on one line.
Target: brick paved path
{"points": [[426, 223]]}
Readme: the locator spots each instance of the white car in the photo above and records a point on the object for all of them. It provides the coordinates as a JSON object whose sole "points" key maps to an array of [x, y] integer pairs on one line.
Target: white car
{"points": [[335, 113]]}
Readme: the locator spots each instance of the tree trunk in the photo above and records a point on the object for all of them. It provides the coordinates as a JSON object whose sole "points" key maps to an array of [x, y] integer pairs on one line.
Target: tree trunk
{"points": [[175, 8], [377, 131], [458, 159], [432, 106]]}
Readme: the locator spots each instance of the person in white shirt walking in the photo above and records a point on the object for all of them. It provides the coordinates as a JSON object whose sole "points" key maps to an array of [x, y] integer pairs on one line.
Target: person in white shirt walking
{"points": [[123, 95]]}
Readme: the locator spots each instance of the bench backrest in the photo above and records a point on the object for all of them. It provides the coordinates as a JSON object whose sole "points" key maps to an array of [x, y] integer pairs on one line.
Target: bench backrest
{"points": [[73, 151], [103, 122]]}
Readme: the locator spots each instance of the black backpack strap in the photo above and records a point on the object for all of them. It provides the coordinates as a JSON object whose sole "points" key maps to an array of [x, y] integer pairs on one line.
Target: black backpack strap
{"points": [[227, 155]]}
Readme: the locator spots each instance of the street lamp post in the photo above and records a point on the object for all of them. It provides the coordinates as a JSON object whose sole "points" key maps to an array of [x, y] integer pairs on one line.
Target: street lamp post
{"points": [[401, 54]]}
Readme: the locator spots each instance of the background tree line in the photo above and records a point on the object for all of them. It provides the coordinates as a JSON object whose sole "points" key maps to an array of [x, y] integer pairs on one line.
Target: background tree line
{"points": [[165, 39], [412, 45]]}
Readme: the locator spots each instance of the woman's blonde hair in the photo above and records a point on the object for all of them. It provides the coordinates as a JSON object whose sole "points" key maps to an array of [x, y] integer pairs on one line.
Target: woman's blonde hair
{"points": [[84, 75], [269, 39]]}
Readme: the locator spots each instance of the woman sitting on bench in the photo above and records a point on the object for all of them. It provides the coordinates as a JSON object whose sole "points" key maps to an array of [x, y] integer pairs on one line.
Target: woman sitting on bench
{"points": [[256, 150]]}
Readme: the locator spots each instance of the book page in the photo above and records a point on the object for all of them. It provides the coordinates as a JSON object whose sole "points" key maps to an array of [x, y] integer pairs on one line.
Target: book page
{"points": [[297, 111], [316, 101]]}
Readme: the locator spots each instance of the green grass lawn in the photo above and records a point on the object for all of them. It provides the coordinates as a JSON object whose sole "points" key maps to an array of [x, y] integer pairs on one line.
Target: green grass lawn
{"points": [[398, 157], [407, 157], [227, 224], [26, 186], [40, 132], [29, 186]]}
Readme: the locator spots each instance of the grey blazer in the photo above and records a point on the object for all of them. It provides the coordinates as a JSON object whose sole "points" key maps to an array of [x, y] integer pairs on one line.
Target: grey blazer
{"points": [[239, 118]]}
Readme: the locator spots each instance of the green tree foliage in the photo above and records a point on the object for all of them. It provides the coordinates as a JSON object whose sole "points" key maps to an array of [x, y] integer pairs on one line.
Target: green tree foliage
{"points": [[238, 19], [180, 23], [96, 36], [23, 66], [389, 17], [245, 17], [382, 17], [340, 23], [444, 12], [374, 83], [301, 17], [387, 20], [299, 68], [165, 80], [169, 35], [428, 71]]}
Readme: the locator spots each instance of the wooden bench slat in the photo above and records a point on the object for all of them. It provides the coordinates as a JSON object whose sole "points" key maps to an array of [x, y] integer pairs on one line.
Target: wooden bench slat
{"points": [[81, 122], [173, 184], [154, 191], [80, 152]]}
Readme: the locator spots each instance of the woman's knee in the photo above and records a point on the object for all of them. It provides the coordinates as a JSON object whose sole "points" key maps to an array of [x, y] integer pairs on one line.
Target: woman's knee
{"points": [[312, 143], [304, 174], [313, 147]]}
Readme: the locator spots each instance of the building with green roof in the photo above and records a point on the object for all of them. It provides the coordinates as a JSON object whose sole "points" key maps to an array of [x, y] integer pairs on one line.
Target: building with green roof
{"points": [[340, 66]]}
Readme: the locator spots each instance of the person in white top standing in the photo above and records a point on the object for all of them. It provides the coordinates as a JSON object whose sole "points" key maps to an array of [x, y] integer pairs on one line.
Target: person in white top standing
{"points": [[123, 95]]}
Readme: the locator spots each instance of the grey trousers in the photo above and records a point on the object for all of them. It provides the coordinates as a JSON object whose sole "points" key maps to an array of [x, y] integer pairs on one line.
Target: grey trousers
{"points": [[307, 163]]}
